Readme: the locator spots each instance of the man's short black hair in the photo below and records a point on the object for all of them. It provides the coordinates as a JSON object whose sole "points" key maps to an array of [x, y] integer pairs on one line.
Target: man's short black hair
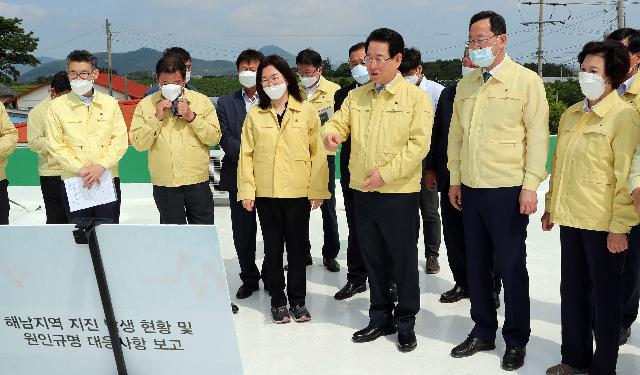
{"points": [[60, 82], [616, 59], [309, 57], [83, 56], [497, 22], [249, 55], [357, 46], [411, 59], [392, 37], [182, 53], [171, 64], [632, 35]]}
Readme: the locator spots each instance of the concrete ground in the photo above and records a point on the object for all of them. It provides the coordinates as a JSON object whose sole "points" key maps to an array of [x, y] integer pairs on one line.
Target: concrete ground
{"points": [[324, 345]]}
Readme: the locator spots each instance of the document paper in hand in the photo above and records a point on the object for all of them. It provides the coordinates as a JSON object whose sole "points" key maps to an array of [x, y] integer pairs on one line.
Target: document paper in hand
{"points": [[100, 193]]}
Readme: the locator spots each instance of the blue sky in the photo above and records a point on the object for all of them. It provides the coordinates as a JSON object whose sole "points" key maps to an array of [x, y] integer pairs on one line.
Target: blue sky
{"points": [[214, 29]]}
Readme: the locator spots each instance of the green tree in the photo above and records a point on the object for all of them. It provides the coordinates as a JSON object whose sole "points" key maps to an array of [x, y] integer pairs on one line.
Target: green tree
{"points": [[552, 70], [43, 79], [16, 47], [327, 68], [342, 71], [442, 70]]}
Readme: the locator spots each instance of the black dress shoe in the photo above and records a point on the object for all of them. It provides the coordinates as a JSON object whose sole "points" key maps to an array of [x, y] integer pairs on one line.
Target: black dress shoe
{"points": [[496, 300], [349, 290], [454, 295], [625, 333], [407, 341], [234, 308], [513, 358], [245, 291], [432, 266], [471, 346], [371, 333], [331, 264]]}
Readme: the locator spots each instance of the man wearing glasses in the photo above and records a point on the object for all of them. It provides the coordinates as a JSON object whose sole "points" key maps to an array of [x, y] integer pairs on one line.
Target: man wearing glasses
{"points": [[86, 132], [320, 92], [498, 145], [389, 121]]}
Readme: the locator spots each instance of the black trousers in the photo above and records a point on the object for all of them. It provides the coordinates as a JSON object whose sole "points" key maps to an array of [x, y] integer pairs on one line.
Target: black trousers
{"points": [[431, 225], [244, 226], [356, 270], [51, 187], [495, 233], [631, 279], [591, 283], [4, 202], [118, 203], [386, 229], [187, 204], [453, 232], [331, 246], [285, 221], [109, 211]]}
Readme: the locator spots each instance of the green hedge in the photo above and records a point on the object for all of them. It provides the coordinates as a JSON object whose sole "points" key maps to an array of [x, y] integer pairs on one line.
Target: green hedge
{"points": [[22, 169]]}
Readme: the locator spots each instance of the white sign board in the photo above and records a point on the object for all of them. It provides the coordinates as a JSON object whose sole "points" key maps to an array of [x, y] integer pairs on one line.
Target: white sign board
{"points": [[167, 286]]}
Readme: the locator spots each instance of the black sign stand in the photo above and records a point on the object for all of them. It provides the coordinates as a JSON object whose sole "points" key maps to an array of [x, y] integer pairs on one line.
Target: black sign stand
{"points": [[85, 234]]}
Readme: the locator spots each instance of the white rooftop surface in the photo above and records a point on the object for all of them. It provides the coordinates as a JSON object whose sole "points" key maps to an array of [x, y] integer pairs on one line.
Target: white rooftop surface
{"points": [[323, 346]]}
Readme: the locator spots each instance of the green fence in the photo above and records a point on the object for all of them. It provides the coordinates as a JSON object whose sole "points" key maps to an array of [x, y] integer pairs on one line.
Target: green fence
{"points": [[22, 169]]}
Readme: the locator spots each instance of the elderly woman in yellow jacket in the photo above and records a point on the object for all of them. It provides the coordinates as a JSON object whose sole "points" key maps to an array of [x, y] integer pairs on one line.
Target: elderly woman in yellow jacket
{"points": [[283, 171], [588, 197]]}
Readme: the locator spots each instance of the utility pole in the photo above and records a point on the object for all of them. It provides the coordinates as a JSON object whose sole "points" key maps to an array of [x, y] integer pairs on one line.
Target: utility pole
{"points": [[620, 14], [541, 22], [540, 30], [109, 65]]}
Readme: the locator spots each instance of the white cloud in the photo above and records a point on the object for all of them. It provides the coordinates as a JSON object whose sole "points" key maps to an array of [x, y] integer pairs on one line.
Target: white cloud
{"points": [[26, 11], [302, 16], [190, 5]]}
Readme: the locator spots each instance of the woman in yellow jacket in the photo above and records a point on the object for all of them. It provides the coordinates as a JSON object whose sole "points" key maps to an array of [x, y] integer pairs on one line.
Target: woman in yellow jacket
{"points": [[588, 197], [283, 171]]}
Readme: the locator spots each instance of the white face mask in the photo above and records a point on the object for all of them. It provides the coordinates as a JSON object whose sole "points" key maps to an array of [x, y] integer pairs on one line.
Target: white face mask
{"points": [[247, 78], [592, 85], [81, 86], [360, 74], [171, 91], [308, 82], [187, 77], [275, 92], [413, 79], [483, 57], [466, 70]]}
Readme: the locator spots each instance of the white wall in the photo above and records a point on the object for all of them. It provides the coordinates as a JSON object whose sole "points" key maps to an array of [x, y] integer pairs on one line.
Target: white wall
{"points": [[33, 98]]}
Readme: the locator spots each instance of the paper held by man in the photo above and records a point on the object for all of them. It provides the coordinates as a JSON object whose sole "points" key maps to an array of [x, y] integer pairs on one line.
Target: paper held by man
{"points": [[81, 198]]}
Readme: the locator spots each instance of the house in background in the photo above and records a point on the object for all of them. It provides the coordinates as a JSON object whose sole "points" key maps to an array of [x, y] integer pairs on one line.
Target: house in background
{"points": [[123, 89], [7, 95]]}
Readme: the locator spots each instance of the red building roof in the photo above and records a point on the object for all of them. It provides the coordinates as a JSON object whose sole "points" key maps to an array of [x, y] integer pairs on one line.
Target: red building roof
{"points": [[135, 90]]}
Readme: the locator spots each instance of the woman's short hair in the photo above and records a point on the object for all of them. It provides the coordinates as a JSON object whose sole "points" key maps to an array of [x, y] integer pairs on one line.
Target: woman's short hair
{"points": [[616, 59]]}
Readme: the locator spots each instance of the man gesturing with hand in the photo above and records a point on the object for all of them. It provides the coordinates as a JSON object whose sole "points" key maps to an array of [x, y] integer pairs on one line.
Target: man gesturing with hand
{"points": [[389, 121]]}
